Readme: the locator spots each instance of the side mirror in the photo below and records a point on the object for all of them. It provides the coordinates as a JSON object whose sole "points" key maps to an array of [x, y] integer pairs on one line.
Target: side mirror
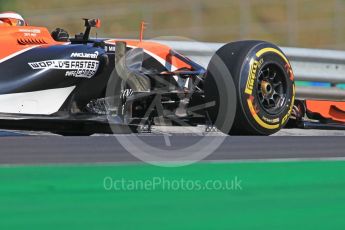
{"points": [[90, 23]]}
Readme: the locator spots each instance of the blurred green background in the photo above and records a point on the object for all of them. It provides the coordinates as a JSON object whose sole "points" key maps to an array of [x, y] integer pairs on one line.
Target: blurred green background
{"points": [[300, 23]]}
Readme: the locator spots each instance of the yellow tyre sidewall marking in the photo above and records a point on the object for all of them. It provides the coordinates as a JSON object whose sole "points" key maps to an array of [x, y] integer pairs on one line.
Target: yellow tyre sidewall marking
{"points": [[286, 117], [250, 103], [266, 50], [258, 119]]}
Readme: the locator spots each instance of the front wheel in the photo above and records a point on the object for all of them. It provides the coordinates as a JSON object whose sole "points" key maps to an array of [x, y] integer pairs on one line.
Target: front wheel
{"points": [[264, 84]]}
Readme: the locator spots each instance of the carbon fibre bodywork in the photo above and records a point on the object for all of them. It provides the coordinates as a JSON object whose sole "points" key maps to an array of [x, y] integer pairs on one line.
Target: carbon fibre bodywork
{"points": [[49, 85]]}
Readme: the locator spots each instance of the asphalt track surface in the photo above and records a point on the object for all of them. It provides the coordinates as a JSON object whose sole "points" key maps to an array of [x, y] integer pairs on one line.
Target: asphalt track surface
{"points": [[40, 149]]}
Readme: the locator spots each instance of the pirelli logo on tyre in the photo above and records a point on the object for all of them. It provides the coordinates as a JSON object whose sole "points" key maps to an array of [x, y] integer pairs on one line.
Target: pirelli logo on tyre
{"points": [[254, 66]]}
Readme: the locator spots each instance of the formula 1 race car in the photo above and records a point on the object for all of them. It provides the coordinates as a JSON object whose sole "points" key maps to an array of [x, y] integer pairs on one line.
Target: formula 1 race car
{"points": [[82, 86]]}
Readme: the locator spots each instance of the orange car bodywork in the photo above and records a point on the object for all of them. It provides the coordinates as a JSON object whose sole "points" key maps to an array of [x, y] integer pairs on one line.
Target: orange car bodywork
{"points": [[156, 50], [18, 39], [332, 110], [14, 39]]}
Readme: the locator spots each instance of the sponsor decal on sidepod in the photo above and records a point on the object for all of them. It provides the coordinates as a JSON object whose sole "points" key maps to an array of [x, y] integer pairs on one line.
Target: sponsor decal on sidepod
{"points": [[76, 68]]}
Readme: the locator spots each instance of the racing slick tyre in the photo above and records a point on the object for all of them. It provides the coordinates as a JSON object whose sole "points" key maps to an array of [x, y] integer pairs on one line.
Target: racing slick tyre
{"points": [[264, 85]]}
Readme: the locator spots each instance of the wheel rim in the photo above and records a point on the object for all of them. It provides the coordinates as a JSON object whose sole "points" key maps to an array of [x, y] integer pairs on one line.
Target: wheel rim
{"points": [[272, 88]]}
